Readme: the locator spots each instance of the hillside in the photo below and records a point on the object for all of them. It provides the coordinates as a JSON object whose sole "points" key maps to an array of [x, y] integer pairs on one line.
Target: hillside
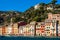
{"points": [[39, 12], [5, 16], [36, 13]]}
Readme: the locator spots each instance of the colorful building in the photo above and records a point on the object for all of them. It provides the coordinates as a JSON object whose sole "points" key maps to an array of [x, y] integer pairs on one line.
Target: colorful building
{"points": [[48, 25], [34, 25], [50, 28], [21, 26], [27, 30], [21, 30], [30, 29], [1, 31], [56, 18], [15, 29], [8, 30], [40, 29], [53, 16]]}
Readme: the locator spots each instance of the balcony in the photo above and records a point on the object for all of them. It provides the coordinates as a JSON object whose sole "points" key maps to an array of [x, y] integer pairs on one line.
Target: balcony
{"points": [[52, 28], [47, 29]]}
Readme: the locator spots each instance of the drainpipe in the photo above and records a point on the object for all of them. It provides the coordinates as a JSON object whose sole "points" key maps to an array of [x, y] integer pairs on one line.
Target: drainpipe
{"points": [[57, 28], [53, 26], [35, 29]]}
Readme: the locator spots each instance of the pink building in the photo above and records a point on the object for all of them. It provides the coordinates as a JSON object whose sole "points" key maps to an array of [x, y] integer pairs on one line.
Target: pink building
{"points": [[55, 17], [50, 28]]}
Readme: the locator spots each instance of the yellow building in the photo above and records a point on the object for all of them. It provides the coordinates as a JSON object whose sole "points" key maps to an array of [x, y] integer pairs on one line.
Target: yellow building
{"points": [[15, 29], [28, 30], [50, 27], [25, 31]]}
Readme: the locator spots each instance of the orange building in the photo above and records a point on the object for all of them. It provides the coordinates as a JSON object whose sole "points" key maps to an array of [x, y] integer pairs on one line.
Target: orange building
{"points": [[3, 30], [15, 29], [8, 30], [0, 30], [40, 29]]}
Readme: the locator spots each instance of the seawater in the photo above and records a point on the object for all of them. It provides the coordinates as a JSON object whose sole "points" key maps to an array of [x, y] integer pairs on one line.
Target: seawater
{"points": [[28, 38]]}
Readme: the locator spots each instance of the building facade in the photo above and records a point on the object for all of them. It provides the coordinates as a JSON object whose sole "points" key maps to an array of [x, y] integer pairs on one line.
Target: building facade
{"points": [[15, 29], [55, 18], [50, 27], [1, 31], [40, 29], [8, 30]]}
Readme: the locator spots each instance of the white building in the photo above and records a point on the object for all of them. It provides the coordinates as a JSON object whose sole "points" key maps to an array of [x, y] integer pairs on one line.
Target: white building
{"points": [[21, 29], [49, 8], [50, 27], [36, 6], [8, 30], [27, 30]]}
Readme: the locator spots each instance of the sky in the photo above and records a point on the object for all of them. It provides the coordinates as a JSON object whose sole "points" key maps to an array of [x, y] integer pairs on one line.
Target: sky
{"points": [[20, 5]]}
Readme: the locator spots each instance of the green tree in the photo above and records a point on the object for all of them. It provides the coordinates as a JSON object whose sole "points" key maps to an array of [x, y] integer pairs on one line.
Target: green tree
{"points": [[53, 2], [35, 18]]}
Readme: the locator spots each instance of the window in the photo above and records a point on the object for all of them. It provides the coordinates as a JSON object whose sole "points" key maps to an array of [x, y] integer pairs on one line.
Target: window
{"points": [[48, 27], [54, 18], [38, 26], [57, 16], [48, 32], [42, 26]]}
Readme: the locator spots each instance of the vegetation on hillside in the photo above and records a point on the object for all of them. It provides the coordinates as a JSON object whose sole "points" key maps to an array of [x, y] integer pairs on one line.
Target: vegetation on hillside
{"points": [[40, 14], [29, 15]]}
